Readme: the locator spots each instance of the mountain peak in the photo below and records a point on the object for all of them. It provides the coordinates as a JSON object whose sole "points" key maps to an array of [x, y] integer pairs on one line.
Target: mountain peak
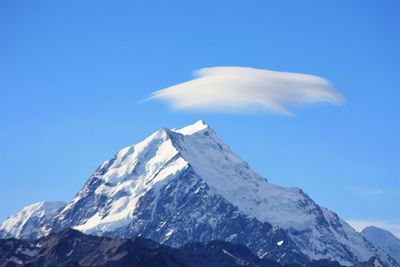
{"points": [[198, 126], [32, 216]]}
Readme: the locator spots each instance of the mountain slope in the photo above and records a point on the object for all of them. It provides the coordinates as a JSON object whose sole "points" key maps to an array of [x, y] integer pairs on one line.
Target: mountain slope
{"points": [[383, 239], [187, 185]]}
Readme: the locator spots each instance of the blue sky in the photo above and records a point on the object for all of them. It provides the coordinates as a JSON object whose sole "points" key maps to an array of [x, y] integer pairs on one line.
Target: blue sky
{"points": [[73, 75]]}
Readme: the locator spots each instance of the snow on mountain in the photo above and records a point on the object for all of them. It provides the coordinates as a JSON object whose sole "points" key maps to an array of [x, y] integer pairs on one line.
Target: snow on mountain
{"points": [[30, 219], [110, 196], [383, 239], [185, 185]]}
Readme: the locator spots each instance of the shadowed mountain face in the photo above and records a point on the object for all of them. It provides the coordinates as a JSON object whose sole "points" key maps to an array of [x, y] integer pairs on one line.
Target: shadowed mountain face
{"points": [[186, 185], [71, 248]]}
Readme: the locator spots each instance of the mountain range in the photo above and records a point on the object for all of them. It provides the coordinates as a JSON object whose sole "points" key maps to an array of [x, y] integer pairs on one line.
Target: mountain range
{"points": [[186, 185], [71, 248]]}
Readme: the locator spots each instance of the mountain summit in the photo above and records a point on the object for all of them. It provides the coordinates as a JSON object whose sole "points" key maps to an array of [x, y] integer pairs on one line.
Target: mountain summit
{"points": [[181, 185]]}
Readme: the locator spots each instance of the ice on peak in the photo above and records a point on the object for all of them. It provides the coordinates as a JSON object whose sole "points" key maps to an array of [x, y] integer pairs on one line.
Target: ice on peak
{"points": [[166, 153], [45, 206], [126, 178], [198, 126], [162, 134]]}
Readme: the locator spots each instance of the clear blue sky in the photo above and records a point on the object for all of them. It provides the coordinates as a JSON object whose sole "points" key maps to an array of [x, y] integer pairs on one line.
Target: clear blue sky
{"points": [[73, 75]]}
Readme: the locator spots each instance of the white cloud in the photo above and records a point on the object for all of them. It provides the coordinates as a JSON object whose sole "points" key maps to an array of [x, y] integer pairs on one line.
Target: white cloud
{"points": [[359, 225], [237, 89]]}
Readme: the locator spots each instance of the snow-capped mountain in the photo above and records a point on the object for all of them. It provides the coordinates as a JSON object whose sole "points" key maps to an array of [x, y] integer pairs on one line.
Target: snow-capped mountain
{"points": [[187, 185], [383, 239], [31, 220]]}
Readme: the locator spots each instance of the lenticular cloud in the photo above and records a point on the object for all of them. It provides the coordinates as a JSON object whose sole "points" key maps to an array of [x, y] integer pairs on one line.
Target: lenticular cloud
{"points": [[237, 89]]}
